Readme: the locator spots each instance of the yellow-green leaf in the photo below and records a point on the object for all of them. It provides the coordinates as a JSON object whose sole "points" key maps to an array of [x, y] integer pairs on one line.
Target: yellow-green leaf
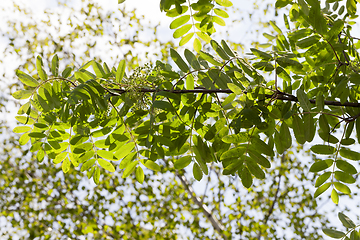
{"points": [[21, 129], [139, 174], [106, 165], [27, 79], [65, 165], [152, 165], [179, 21]]}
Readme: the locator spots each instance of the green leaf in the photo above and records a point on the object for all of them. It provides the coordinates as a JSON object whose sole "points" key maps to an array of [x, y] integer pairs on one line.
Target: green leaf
{"points": [[349, 154], [182, 162], [236, 138], [346, 167], [233, 165], [227, 49], [106, 165], [321, 189], [40, 68], [129, 169], [55, 65], [152, 165], [303, 100], [120, 71], [342, 188], [163, 105], [179, 21], [121, 1], [106, 155], [178, 60], [96, 175], [234, 152], [37, 135], [235, 88], [268, 36], [224, 3], [197, 172], [246, 177], [209, 58], [255, 169], [124, 150], [258, 158], [197, 45], [88, 164], [344, 177], [351, 7], [190, 82], [139, 174], [21, 129], [321, 165], [276, 28], [323, 149], [308, 42], [66, 165], [24, 139], [219, 50], [191, 58], [322, 178], [221, 13], [218, 21], [204, 36], [335, 196], [184, 40], [261, 54], [333, 233], [346, 221], [182, 31], [285, 135], [299, 129], [309, 127], [262, 147], [66, 73], [27, 79], [60, 157]]}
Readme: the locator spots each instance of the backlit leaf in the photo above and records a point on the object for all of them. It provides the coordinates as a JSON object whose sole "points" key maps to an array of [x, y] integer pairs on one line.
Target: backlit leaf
{"points": [[197, 172], [346, 221], [152, 165], [179, 61], [333, 233], [321, 189], [349, 154], [65, 165], [139, 174], [27, 79], [106, 165], [182, 162], [321, 165]]}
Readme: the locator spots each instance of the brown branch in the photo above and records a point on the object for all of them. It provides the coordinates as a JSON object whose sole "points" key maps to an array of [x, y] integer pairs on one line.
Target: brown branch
{"points": [[280, 95], [207, 212], [217, 225], [271, 209]]}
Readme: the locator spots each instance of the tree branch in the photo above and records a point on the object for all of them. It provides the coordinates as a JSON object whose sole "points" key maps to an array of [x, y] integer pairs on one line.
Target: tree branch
{"points": [[214, 222], [279, 95], [271, 209]]}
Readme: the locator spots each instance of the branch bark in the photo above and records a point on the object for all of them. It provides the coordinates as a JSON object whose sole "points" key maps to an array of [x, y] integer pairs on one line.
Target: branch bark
{"points": [[279, 95], [214, 222]]}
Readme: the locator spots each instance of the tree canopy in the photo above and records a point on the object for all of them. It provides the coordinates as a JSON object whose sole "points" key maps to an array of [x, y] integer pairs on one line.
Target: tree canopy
{"points": [[201, 106]]}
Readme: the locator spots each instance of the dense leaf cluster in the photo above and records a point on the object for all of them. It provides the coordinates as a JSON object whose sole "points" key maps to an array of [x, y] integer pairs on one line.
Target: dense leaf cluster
{"points": [[217, 107]]}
